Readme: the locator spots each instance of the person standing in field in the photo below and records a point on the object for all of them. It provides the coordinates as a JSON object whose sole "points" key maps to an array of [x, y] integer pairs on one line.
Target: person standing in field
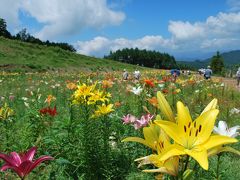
{"points": [[125, 74], [137, 74], [208, 73], [238, 77]]}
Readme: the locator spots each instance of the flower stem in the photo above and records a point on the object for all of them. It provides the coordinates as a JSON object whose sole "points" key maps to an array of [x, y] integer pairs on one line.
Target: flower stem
{"points": [[218, 164], [186, 164]]}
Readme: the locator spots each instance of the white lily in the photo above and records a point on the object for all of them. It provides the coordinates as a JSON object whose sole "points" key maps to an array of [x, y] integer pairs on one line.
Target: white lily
{"points": [[223, 129], [137, 90]]}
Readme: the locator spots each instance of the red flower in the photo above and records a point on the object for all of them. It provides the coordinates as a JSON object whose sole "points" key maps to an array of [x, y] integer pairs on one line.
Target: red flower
{"points": [[165, 91], [149, 83], [49, 111], [22, 164]]}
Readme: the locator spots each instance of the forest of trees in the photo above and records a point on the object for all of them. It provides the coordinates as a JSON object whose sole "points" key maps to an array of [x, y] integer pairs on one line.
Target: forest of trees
{"points": [[24, 36], [144, 57]]}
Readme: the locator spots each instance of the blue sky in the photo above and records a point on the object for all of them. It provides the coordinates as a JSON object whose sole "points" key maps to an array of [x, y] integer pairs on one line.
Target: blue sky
{"points": [[186, 29]]}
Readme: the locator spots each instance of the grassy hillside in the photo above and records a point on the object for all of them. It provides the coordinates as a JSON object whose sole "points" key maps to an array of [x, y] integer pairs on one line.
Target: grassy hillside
{"points": [[16, 55]]}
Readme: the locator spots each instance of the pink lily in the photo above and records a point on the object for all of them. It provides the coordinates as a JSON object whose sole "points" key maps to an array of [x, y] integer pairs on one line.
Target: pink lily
{"points": [[128, 119], [22, 164], [143, 121]]}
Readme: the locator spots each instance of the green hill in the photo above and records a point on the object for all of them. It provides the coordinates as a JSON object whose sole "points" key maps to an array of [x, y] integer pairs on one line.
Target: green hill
{"points": [[21, 56], [231, 58]]}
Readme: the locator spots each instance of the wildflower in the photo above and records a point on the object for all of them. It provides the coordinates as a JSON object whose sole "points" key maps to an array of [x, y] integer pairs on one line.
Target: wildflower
{"points": [[193, 137], [165, 91], [158, 141], [107, 84], [117, 104], [165, 107], [143, 121], [22, 164], [223, 130], [49, 99], [234, 111], [137, 90], [71, 86], [5, 112], [50, 111], [161, 86], [128, 119], [153, 101], [82, 93], [149, 83], [103, 110]]}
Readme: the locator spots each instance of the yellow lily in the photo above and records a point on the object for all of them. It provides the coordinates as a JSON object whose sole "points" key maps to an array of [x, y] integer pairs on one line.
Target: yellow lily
{"points": [[169, 166], [103, 110], [5, 112], [158, 141], [151, 135], [219, 149], [193, 137], [165, 107]]}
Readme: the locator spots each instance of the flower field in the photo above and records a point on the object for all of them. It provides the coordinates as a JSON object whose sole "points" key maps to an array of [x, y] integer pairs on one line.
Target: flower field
{"points": [[98, 126]]}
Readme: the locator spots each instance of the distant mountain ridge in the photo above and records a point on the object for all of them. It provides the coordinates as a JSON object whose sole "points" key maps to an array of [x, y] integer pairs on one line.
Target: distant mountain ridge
{"points": [[230, 58]]}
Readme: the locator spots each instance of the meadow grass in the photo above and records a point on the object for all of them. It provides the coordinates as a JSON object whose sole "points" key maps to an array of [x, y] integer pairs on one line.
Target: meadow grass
{"points": [[63, 137]]}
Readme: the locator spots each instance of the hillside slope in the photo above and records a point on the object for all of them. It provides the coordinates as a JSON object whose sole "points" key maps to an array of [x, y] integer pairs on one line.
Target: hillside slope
{"points": [[230, 58], [17, 55]]}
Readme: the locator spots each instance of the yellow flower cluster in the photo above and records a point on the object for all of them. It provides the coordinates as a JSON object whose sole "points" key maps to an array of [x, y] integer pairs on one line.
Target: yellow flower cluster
{"points": [[179, 135], [5, 112], [90, 95]]}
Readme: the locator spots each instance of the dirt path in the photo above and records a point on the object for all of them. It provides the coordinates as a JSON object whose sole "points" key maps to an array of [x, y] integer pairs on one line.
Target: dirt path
{"points": [[230, 82]]}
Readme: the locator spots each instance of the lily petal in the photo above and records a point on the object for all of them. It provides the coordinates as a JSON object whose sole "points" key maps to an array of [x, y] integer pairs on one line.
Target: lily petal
{"points": [[219, 149], [165, 107], [40, 160], [30, 154], [183, 118], [170, 129], [200, 156], [210, 106], [173, 150], [139, 140], [16, 158], [160, 170], [205, 124], [216, 140], [233, 131]]}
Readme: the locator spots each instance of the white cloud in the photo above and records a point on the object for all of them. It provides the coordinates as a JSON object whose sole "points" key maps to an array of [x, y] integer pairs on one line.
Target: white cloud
{"points": [[62, 17], [185, 30], [234, 5], [9, 11], [100, 46], [219, 32]]}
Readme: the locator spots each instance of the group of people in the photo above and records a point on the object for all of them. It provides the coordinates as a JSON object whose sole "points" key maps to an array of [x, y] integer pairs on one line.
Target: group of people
{"points": [[207, 73], [136, 74]]}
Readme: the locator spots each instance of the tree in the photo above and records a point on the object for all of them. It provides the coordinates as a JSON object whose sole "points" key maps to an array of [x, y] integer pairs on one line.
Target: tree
{"points": [[23, 35], [217, 63], [3, 29]]}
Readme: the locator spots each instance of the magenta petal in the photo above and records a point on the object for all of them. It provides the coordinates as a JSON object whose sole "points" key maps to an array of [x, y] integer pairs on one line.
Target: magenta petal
{"points": [[16, 159], [40, 160], [5, 167], [8, 159], [30, 154], [14, 168], [26, 167]]}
